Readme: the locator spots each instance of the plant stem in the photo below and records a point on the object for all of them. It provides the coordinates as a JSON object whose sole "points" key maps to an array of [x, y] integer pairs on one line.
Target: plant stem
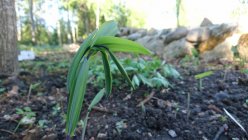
{"points": [[200, 84], [17, 126], [85, 124], [188, 105], [29, 92]]}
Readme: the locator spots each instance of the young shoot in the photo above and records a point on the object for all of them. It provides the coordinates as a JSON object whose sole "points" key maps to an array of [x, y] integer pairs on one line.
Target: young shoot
{"points": [[100, 41], [200, 77]]}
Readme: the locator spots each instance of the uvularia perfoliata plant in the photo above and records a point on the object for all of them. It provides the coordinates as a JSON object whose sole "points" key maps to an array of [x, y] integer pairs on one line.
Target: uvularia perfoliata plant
{"points": [[101, 40]]}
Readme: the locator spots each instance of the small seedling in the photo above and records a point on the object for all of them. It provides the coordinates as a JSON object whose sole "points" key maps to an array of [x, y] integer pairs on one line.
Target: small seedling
{"points": [[100, 41], [31, 87], [121, 125], [28, 116], [2, 90], [56, 109], [200, 76], [42, 123]]}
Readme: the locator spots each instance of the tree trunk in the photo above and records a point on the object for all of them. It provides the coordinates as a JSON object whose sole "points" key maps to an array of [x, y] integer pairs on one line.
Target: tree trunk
{"points": [[8, 38], [59, 34], [31, 12], [69, 30]]}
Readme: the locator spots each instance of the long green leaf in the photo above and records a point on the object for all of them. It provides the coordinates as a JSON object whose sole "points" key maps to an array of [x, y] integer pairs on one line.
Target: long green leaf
{"points": [[75, 67], [108, 28], [75, 62], [121, 45], [203, 75], [96, 99], [121, 69], [77, 98], [108, 76]]}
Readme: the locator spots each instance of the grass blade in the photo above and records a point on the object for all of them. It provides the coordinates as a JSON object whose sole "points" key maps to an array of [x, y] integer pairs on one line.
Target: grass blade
{"points": [[121, 45], [108, 76], [77, 98], [96, 99], [121, 69]]}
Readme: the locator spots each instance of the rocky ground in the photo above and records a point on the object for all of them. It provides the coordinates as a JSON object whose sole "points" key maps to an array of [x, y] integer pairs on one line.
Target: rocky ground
{"points": [[180, 112]]}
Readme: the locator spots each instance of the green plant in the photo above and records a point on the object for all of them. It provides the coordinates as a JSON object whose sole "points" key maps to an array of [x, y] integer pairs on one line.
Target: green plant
{"points": [[200, 76], [42, 123], [245, 71], [151, 73], [28, 116], [120, 125], [31, 87], [56, 109], [102, 41], [2, 90]]}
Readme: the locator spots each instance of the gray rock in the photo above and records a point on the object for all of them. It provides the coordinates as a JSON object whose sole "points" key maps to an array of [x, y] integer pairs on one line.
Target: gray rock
{"points": [[222, 95], [134, 36], [225, 30], [172, 133], [243, 47], [218, 34], [198, 34], [206, 22], [152, 43], [222, 52], [152, 32], [177, 49], [176, 35]]}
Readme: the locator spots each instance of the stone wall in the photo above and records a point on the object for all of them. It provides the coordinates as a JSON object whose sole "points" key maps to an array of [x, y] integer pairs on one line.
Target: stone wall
{"points": [[214, 42]]}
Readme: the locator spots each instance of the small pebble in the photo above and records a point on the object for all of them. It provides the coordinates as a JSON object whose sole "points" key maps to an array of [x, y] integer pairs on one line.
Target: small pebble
{"points": [[222, 95], [101, 135], [172, 133], [49, 137], [149, 134]]}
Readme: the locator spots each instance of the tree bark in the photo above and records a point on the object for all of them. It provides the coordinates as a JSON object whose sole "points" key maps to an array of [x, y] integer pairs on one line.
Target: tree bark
{"points": [[69, 31], [8, 38], [31, 12]]}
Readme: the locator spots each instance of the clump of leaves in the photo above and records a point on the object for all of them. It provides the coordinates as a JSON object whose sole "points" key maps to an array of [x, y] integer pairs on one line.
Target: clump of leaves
{"points": [[28, 116], [102, 40], [152, 73]]}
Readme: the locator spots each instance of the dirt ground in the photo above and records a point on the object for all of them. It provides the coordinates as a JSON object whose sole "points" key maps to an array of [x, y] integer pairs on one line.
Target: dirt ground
{"points": [[180, 112]]}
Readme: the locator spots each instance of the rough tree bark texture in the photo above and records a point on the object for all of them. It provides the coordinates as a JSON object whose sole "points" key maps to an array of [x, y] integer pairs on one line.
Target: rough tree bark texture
{"points": [[8, 38]]}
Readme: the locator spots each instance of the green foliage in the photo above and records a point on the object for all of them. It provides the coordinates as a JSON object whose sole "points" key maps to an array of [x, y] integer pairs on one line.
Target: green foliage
{"points": [[152, 73], [2, 89], [78, 72], [245, 71], [28, 116]]}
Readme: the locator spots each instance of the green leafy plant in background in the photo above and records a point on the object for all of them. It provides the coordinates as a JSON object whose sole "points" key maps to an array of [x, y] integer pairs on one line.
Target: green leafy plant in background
{"points": [[28, 116], [101, 40], [200, 76], [151, 73]]}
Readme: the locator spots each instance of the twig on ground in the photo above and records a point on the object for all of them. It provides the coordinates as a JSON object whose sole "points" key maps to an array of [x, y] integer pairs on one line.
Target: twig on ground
{"points": [[102, 109], [222, 129], [7, 131], [29, 92], [149, 97]]}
